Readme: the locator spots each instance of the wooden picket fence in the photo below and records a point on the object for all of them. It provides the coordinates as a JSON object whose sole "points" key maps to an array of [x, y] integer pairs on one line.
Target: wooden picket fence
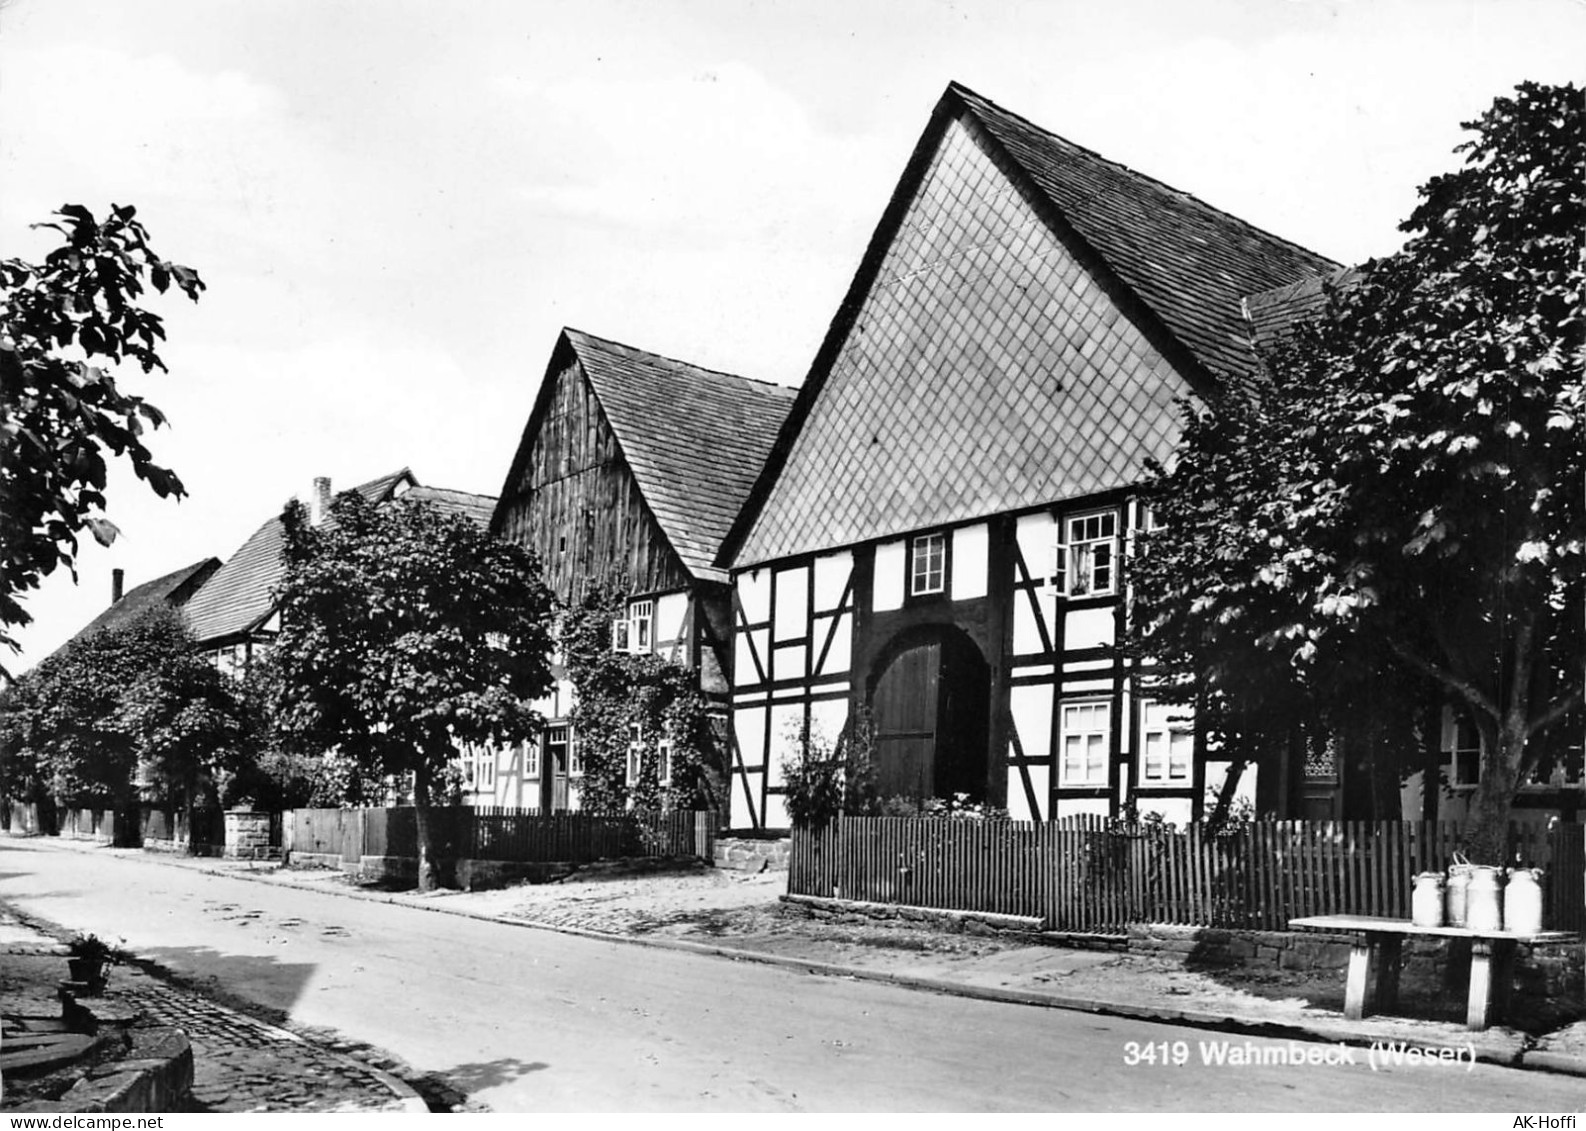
{"points": [[1088, 874], [501, 833]]}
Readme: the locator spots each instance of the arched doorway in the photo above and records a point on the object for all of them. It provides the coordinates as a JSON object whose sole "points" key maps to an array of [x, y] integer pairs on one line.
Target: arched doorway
{"points": [[931, 707]]}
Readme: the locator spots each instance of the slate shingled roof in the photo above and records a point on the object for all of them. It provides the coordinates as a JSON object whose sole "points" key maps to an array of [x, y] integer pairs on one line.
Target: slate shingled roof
{"points": [[694, 438], [238, 599], [1023, 320], [1190, 263], [171, 591]]}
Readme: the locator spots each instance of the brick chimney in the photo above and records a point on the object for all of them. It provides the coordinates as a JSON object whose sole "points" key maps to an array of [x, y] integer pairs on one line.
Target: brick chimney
{"points": [[117, 580], [319, 502]]}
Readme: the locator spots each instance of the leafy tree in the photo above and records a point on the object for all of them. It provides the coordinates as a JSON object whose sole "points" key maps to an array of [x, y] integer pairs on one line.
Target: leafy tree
{"points": [[189, 724], [63, 324], [406, 632], [130, 702], [1395, 512]]}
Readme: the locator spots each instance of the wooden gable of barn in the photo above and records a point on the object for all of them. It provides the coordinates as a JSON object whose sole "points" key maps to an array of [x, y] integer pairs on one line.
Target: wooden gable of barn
{"points": [[572, 498]]}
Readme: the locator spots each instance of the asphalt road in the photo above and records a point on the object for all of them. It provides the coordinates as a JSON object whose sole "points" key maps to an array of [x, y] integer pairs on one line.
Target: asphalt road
{"points": [[532, 1020]]}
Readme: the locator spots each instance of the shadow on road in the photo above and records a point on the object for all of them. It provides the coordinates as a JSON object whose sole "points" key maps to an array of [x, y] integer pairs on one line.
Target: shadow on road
{"points": [[243, 981], [472, 1078]]}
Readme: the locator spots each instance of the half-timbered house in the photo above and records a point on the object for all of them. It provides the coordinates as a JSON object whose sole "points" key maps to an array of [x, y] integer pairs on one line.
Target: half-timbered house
{"points": [[630, 471], [942, 533], [233, 617]]}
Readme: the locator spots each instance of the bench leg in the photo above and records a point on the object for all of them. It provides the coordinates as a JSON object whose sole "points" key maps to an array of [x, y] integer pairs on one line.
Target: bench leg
{"points": [[1360, 956], [1478, 1007], [1388, 954]]}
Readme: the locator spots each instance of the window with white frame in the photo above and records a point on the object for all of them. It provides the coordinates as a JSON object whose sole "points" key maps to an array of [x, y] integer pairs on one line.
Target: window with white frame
{"points": [[927, 564], [1088, 560], [531, 758], [575, 755], [620, 636], [641, 616], [663, 761], [1167, 744], [1084, 743], [486, 763]]}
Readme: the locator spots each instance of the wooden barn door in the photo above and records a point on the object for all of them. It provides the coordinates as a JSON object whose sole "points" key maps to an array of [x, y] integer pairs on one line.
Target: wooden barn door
{"points": [[905, 713]]}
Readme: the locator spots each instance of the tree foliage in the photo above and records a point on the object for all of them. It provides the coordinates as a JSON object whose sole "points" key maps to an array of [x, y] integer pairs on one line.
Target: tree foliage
{"points": [[626, 703], [130, 702], [406, 632], [1396, 510], [64, 325]]}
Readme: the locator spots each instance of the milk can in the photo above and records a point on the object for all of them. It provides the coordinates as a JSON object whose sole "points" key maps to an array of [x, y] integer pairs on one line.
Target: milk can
{"points": [[1522, 901], [1454, 895], [1484, 899], [1426, 900]]}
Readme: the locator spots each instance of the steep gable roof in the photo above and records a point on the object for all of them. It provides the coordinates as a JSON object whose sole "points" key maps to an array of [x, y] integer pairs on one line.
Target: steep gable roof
{"points": [[693, 438], [1030, 311], [173, 590], [240, 596], [1189, 263]]}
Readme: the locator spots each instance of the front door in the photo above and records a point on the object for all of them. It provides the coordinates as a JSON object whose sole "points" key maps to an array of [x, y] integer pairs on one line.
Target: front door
{"points": [[905, 710], [553, 771], [932, 709]]}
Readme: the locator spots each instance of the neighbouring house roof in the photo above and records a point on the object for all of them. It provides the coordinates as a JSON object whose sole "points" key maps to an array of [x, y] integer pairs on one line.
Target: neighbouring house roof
{"points": [[172, 591], [1273, 314], [693, 438], [478, 508], [1024, 321], [240, 597]]}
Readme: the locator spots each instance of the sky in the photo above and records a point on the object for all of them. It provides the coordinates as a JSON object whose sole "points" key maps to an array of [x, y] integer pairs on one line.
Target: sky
{"points": [[397, 206]]}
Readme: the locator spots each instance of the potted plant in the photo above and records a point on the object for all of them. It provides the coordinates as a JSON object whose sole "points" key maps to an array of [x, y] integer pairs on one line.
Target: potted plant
{"points": [[87, 957]]}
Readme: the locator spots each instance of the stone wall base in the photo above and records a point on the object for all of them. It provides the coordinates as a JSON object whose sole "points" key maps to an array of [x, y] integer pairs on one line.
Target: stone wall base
{"points": [[1549, 981], [753, 854]]}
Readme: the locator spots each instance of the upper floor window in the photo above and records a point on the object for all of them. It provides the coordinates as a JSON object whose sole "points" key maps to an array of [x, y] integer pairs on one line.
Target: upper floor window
{"points": [[927, 564], [1088, 564], [1167, 744], [1085, 743], [641, 615]]}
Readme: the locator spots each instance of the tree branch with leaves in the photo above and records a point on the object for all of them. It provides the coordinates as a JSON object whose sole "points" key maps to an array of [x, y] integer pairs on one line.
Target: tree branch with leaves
{"points": [[65, 325]]}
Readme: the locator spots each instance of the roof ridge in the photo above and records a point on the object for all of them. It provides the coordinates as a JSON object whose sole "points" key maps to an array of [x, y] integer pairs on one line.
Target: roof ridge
{"points": [[973, 96], [570, 330]]}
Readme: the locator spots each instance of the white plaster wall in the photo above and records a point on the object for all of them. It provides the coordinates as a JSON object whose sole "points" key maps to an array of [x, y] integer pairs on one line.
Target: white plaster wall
{"points": [[969, 562], [888, 593], [792, 603]]}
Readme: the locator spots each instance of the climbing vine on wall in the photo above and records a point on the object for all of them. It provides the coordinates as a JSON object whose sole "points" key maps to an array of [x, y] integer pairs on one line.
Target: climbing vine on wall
{"points": [[631, 703]]}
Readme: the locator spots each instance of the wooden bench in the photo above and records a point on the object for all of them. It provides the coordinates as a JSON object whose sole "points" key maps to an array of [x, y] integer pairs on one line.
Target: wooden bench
{"points": [[1373, 980]]}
